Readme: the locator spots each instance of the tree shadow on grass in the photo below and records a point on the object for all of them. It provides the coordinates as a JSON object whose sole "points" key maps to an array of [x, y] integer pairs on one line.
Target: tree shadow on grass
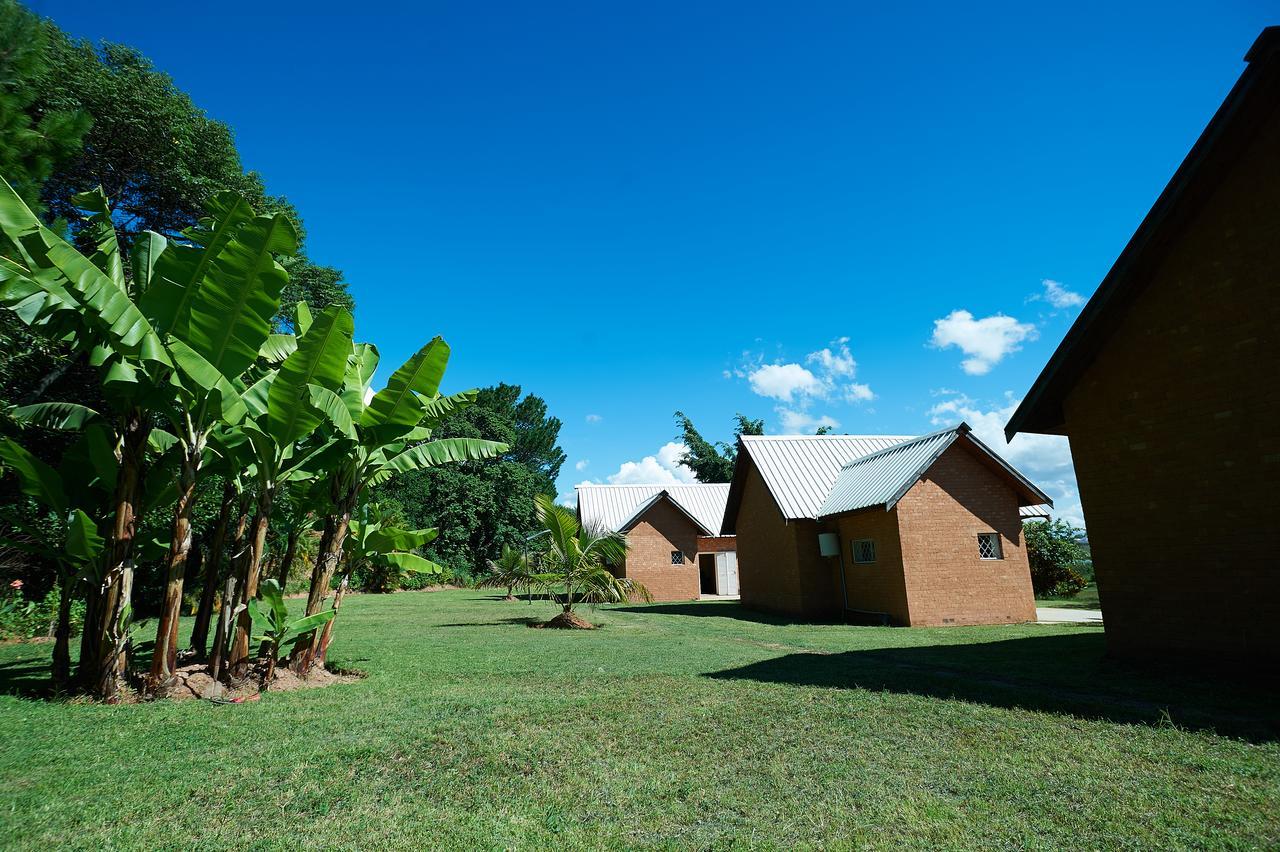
{"points": [[1062, 673], [26, 678], [717, 609]]}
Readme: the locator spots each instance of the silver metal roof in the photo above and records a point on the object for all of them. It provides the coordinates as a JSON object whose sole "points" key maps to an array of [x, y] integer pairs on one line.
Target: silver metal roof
{"points": [[615, 506], [799, 470], [882, 478], [1032, 513]]}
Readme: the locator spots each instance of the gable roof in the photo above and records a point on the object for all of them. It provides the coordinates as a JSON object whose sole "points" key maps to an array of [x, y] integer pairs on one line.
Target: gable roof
{"points": [[1251, 102], [882, 478], [619, 507], [798, 470]]}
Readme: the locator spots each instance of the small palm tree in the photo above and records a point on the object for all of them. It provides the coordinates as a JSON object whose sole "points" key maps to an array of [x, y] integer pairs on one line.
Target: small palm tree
{"points": [[577, 558], [508, 571]]}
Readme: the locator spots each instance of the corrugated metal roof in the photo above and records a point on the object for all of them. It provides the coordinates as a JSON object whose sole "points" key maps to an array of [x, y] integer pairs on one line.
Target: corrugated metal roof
{"points": [[613, 506], [1033, 512], [881, 478], [799, 470]]}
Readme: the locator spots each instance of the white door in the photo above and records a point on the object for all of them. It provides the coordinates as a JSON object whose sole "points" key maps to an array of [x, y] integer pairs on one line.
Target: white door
{"points": [[727, 573]]}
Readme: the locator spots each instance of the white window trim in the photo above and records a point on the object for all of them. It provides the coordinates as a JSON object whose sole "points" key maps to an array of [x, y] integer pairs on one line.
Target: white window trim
{"points": [[853, 546]]}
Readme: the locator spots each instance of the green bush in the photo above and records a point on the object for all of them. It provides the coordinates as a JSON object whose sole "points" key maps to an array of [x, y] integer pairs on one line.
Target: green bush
{"points": [[27, 619], [1054, 551]]}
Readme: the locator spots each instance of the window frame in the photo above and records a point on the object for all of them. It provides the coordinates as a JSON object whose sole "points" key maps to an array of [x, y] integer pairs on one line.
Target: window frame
{"points": [[677, 558], [998, 544], [853, 550]]}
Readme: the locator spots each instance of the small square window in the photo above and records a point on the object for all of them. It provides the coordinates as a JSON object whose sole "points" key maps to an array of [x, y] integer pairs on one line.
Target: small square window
{"points": [[864, 550], [989, 546], [677, 557]]}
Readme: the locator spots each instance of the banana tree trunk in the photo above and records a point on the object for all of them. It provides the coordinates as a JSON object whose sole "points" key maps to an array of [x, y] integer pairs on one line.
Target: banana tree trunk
{"points": [[326, 634], [104, 645], [62, 637], [164, 659], [218, 656], [331, 540], [290, 553], [213, 571], [239, 657]]}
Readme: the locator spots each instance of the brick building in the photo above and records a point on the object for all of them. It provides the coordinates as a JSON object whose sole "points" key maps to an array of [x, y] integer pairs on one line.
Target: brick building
{"points": [[909, 531], [1168, 386], [673, 531]]}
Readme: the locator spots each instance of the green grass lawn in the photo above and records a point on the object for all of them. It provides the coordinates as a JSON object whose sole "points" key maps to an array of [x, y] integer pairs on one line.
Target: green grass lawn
{"points": [[1087, 598], [694, 725]]}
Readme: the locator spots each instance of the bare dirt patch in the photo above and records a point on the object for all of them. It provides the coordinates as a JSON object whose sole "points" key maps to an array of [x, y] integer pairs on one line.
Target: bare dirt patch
{"points": [[567, 621], [193, 681]]}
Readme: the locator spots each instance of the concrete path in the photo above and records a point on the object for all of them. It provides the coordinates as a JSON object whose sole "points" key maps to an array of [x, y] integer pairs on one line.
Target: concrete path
{"points": [[1059, 615]]}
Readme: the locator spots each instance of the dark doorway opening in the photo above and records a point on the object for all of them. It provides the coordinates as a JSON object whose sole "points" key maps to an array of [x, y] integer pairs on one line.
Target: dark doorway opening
{"points": [[707, 573]]}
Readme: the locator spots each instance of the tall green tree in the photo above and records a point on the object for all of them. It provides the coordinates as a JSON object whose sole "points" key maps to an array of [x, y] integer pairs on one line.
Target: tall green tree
{"points": [[480, 507], [713, 462], [34, 139]]}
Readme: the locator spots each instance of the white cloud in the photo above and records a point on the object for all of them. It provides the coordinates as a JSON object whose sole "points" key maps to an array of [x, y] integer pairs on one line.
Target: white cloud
{"points": [[827, 375], [662, 468], [581, 464], [784, 381], [1044, 459], [1059, 296], [594, 418], [986, 341], [570, 498], [800, 422]]}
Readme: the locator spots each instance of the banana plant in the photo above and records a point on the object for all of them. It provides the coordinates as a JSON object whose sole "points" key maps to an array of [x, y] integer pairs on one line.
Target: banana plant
{"points": [[81, 482], [278, 630], [89, 303], [391, 432], [288, 439], [216, 296], [372, 541]]}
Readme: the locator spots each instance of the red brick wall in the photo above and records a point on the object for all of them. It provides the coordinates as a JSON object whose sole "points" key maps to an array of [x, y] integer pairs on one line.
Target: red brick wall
{"points": [[939, 521], [877, 586], [768, 576], [717, 544], [1175, 438], [662, 529]]}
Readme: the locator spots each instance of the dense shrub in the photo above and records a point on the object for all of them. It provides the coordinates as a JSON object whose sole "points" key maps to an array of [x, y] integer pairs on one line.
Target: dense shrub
{"points": [[1054, 552], [27, 619]]}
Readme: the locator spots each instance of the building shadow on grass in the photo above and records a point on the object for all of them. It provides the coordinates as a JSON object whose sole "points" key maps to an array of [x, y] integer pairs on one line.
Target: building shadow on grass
{"points": [[1063, 673], [716, 609]]}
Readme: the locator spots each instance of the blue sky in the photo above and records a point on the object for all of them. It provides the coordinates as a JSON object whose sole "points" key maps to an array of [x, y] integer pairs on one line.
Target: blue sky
{"points": [[807, 212]]}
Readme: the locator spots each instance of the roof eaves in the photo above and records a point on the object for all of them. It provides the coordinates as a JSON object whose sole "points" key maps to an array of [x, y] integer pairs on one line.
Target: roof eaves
{"points": [[1041, 409]]}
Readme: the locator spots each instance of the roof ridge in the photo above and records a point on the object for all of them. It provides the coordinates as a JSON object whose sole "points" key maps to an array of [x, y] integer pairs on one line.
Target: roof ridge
{"points": [[648, 484], [798, 437], [961, 427]]}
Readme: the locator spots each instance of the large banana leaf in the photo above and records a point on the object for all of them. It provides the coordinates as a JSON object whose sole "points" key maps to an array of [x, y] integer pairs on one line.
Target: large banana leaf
{"points": [[277, 347], [210, 384], [432, 453], [101, 231], [413, 562], [181, 268], [84, 544], [331, 406], [361, 365], [35, 478], [67, 416], [321, 359], [105, 307], [146, 252], [232, 306], [387, 539], [397, 408]]}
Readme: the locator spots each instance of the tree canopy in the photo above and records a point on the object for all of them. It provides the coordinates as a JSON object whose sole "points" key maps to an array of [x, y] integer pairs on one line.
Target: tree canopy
{"points": [[713, 462], [481, 506]]}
